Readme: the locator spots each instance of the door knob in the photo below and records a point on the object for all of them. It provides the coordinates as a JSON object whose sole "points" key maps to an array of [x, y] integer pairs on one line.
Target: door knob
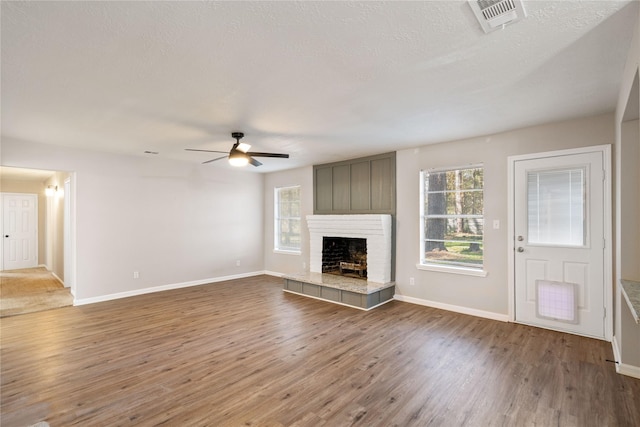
{"points": [[6, 235], [520, 238], [520, 249]]}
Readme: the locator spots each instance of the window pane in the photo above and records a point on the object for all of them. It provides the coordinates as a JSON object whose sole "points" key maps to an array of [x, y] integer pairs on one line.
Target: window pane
{"points": [[456, 192], [457, 229], [556, 207], [454, 203], [452, 212], [287, 219], [460, 179], [289, 236], [459, 243], [456, 253]]}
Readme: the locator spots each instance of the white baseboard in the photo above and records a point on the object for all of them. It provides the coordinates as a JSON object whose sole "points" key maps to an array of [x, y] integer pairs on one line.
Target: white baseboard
{"points": [[455, 308], [628, 370], [273, 273], [58, 279], [53, 274], [135, 292], [621, 368], [616, 350]]}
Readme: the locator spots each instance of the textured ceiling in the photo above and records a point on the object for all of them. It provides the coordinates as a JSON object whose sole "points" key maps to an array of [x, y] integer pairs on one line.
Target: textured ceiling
{"points": [[323, 81]]}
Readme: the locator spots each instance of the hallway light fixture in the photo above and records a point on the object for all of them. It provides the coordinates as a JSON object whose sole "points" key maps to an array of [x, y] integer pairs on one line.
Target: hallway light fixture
{"points": [[51, 190]]}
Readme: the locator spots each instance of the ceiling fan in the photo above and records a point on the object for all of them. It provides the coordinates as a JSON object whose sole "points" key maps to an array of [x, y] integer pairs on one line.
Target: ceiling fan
{"points": [[240, 154]]}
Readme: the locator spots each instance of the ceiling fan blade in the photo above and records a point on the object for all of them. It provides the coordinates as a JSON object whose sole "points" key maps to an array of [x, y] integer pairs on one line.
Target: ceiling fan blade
{"points": [[240, 153], [254, 162], [213, 160], [206, 151], [243, 147], [281, 156]]}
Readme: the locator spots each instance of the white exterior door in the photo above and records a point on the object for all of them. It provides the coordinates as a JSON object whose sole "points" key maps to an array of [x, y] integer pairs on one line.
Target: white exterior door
{"points": [[559, 232], [19, 231]]}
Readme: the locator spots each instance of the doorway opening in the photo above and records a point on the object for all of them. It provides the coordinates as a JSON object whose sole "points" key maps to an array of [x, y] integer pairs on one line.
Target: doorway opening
{"points": [[51, 249]]}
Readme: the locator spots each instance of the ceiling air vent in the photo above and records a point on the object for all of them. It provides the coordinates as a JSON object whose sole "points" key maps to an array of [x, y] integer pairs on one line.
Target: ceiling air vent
{"points": [[494, 14]]}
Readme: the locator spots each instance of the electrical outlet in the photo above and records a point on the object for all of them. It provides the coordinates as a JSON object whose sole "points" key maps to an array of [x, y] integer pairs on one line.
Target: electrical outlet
{"points": [[412, 281], [496, 224], [304, 266], [136, 274], [237, 263]]}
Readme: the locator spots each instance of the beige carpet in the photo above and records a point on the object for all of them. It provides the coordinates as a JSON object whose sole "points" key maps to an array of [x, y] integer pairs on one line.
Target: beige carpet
{"points": [[30, 290]]}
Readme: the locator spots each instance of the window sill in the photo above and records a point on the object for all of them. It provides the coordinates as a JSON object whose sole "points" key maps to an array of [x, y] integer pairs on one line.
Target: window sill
{"points": [[285, 252], [453, 270]]}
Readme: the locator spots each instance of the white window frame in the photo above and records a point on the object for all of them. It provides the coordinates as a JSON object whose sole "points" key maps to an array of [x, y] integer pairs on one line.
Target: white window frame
{"points": [[424, 264], [276, 223]]}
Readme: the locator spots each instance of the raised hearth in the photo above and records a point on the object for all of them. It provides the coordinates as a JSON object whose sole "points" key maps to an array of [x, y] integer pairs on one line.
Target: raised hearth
{"points": [[348, 291]]}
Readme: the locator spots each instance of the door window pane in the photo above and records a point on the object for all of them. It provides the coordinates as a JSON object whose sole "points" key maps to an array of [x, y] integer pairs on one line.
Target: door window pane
{"points": [[556, 207]]}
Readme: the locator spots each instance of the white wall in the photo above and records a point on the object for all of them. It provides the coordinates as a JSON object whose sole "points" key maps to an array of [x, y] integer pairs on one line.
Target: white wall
{"points": [[54, 229], [174, 222], [479, 294], [627, 250], [279, 262], [488, 294]]}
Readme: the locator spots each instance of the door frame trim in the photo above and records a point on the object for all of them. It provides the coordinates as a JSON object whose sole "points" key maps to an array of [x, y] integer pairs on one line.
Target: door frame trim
{"points": [[69, 234], [607, 218]]}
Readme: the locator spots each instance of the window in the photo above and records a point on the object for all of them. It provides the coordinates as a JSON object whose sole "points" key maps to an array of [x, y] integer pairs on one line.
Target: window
{"points": [[287, 219], [556, 207], [452, 218]]}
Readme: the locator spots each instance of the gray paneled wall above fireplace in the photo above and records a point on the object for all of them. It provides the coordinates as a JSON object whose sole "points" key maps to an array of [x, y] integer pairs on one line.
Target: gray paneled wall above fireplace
{"points": [[366, 185], [360, 186]]}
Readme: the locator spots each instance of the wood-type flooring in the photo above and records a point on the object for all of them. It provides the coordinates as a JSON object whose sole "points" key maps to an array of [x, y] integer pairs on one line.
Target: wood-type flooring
{"points": [[244, 353]]}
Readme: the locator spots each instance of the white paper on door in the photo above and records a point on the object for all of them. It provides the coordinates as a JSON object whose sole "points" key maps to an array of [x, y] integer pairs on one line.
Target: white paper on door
{"points": [[557, 301]]}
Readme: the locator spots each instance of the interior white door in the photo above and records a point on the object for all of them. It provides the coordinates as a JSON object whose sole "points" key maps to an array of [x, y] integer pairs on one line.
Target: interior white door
{"points": [[559, 243], [19, 231]]}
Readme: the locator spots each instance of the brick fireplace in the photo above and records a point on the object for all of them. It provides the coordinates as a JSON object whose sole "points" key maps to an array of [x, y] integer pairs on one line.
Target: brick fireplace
{"points": [[375, 229]]}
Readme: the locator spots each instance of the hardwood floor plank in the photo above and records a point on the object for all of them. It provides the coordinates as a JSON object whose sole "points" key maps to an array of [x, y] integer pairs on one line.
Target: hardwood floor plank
{"points": [[243, 352]]}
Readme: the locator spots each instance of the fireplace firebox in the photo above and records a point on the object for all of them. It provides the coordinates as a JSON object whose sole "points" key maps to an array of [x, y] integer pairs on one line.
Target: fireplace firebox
{"points": [[345, 256]]}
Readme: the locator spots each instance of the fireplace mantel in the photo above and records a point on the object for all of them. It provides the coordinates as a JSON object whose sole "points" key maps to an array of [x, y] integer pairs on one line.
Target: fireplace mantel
{"points": [[375, 228]]}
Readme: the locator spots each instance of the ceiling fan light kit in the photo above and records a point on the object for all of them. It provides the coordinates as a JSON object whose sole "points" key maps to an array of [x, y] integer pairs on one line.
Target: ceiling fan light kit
{"points": [[237, 158], [239, 155]]}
